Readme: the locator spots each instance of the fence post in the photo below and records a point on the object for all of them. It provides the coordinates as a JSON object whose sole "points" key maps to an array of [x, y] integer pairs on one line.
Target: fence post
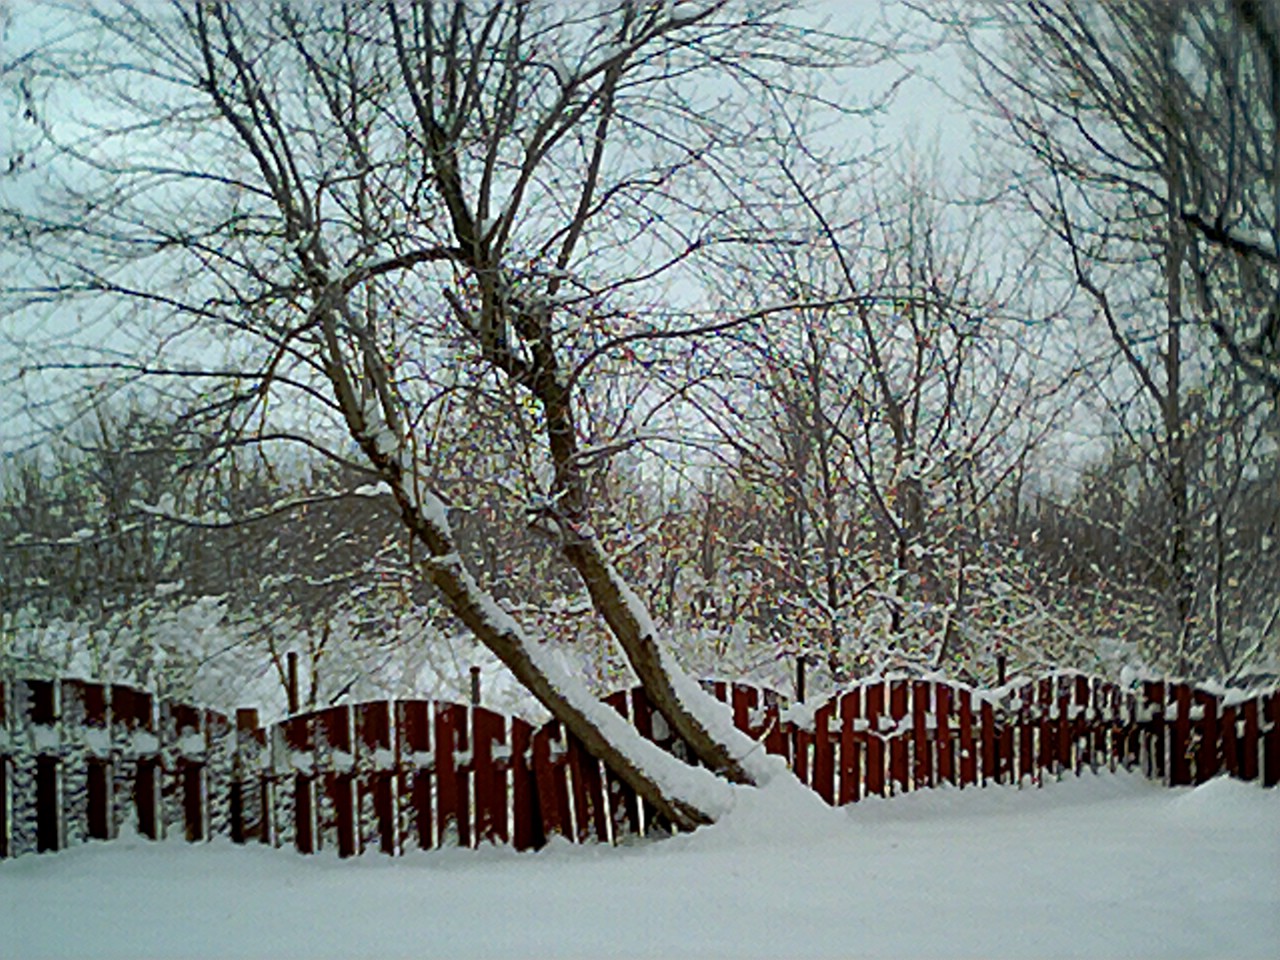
{"points": [[46, 711], [475, 686], [291, 661], [800, 665]]}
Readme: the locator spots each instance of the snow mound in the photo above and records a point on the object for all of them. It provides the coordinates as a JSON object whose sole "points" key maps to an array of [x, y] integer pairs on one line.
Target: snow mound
{"points": [[1225, 799], [782, 812]]}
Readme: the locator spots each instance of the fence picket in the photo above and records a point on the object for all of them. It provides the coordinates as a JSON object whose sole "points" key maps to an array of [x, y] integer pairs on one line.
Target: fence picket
{"points": [[293, 761], [1067, 754], [186, 728], [876, 749], [946, 762], [1026, 734], [801, 750], [453, 800], [1099, 724], [43, 706], [553, 791], [135, 742], [1179, 695], [1249, 741], [1271, 775], [1005, 755], [776, 737], [990, 744], [743, 700], [1157, 739], [335, 755], [899, 745], [415, 765], [824, 752], [1230, 742], [86, 751], [642, 718], [526, 817], [488, 744], [968, 749], [850, 747], [1084, 715], [589, 804], [921, 710], [624, 805], [1207, 750], [1130, 729], [375, 768], [1047, 729], [250, 799]]}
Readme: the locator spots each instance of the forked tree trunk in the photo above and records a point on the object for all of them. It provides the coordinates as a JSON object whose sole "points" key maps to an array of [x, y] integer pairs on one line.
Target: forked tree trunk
{"points": [[686, 796]]}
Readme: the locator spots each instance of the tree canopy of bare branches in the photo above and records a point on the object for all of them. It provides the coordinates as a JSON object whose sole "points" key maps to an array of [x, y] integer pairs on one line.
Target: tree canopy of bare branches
{"points": [[335, 222]]}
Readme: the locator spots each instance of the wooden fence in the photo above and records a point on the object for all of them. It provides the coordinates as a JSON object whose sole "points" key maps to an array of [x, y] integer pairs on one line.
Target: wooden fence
{"points": [[82, 760]]}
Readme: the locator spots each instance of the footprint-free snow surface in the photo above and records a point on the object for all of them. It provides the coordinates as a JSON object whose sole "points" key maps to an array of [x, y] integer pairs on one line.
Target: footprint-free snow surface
{"points": [[1103, 866]]}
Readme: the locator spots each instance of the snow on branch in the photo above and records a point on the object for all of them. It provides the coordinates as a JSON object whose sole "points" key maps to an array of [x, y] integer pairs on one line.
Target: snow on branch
{"points": [[221, 520]]}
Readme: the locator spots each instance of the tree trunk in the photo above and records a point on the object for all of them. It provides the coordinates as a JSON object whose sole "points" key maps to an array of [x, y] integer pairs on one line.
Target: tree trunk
{"points": [[690, 711], [1176, 466], [686, 796]]}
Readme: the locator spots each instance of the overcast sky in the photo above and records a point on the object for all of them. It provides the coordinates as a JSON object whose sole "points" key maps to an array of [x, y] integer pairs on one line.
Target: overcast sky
{"points": [[921, 117]]}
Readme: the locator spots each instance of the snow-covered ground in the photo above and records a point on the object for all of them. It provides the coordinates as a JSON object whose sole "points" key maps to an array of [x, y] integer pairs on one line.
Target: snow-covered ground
{"points": [[1104, 866]]}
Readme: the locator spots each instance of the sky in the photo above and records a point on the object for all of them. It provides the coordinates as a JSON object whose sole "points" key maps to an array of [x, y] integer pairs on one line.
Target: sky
{"points": [[919, 115]]}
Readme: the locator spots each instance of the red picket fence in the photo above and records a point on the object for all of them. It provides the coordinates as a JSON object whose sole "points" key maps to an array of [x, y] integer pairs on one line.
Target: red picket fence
{"points": [[82, 760], [890, 736]]}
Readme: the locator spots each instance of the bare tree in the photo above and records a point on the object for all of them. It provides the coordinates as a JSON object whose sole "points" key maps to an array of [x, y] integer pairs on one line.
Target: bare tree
{"points": [[362, 210], [1150, 127], [884, 422]]}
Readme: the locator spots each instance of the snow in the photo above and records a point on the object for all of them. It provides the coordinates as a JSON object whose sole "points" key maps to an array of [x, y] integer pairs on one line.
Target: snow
{"points": [[714, 717], [1107, 865], [45, 739], [692, 785]]}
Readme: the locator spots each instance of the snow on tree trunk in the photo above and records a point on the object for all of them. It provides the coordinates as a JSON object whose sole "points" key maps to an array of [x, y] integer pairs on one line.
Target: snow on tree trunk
{"points": [[687, 796], [701, 720]]}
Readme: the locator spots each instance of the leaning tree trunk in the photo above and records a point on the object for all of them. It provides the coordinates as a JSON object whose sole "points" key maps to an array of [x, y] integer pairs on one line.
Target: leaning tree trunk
{"points": [[691, 712], [686, 796]]}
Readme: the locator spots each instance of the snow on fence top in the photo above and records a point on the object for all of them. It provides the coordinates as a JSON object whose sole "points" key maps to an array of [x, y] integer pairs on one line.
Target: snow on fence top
{"points": [[82, 760]]}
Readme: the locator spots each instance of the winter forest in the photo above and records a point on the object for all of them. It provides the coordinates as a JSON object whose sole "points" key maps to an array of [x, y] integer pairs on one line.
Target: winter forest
{"points": [[616, 342]]}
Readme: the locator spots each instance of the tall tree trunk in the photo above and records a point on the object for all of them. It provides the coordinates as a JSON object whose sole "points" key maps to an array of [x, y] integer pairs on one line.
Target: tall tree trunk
{"points": [[1176, 465]]}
